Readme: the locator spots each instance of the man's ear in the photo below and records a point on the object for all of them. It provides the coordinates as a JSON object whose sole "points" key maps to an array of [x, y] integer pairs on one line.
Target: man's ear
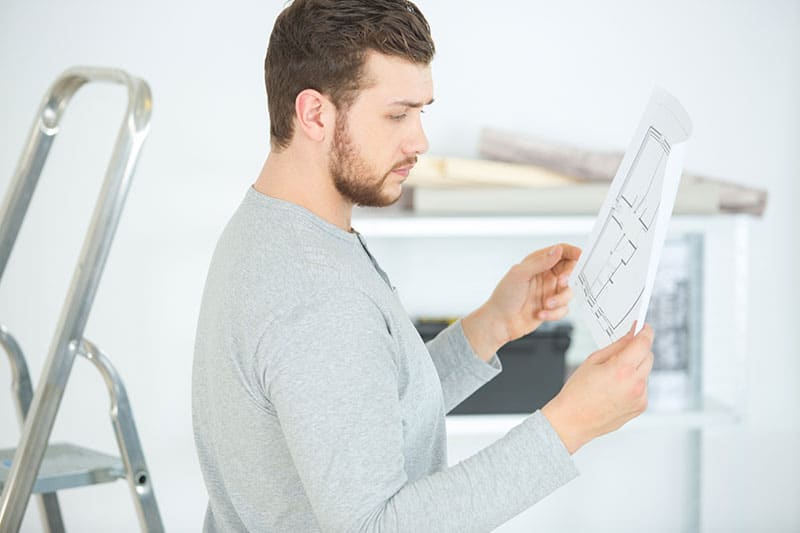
{"points": [[313, 113]]}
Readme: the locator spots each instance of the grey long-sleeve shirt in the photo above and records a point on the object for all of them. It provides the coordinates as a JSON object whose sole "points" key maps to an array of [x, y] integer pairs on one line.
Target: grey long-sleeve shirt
{"points": [[317, 407]]}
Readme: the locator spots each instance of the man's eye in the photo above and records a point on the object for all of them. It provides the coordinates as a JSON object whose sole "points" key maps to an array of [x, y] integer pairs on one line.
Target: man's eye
{"points": [[398, 117]]}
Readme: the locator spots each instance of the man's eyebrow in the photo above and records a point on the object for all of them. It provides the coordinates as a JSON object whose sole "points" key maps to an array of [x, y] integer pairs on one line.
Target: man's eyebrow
{"points": [[409, 103]]}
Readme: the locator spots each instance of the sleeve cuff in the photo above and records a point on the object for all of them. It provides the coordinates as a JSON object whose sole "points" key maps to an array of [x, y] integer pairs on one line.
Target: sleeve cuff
{"points": [[484, 370], [558, 465], [461, 371]]}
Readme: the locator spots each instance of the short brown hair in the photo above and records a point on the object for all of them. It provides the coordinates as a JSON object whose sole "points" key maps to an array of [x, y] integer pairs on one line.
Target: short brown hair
{"points": [[323, 44]]}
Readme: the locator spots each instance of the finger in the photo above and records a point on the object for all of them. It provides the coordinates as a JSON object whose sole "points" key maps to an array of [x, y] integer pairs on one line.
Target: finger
{"points": [[638, 348], [571, 253], [560, 299], [564, 271], [567, 264], [604, 354], [540, 261], [648, 333], [564, 268], [646, 365], [553, 314]]}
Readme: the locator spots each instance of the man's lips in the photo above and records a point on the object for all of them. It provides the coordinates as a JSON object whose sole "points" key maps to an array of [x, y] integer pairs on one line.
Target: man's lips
{"points": [[405, 169]]}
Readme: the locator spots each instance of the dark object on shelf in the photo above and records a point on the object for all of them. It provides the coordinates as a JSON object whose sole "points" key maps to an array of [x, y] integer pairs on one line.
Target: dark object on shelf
{"points": [[533, 370]]}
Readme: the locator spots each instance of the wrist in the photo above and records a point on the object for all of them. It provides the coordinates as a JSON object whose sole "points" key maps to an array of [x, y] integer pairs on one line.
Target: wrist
{"points": [[484, 333], [566, 429]]}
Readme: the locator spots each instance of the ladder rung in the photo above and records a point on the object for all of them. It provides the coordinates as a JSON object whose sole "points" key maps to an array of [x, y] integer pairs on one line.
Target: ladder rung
{"points": [[66, 466]]}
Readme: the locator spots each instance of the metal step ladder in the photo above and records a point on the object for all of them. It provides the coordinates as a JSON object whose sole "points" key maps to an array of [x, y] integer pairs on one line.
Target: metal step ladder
{"points": [[35, 467]]}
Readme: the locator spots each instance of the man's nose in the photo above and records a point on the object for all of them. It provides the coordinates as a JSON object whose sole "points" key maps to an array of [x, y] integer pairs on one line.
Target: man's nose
{"points": [[417, 142]]}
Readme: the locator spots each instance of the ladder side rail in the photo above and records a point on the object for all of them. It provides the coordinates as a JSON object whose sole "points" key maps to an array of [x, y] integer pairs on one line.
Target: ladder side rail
{"points": [[18, 198], [20, 377], [49, 508], [26, 176], [130, 447], [50, 511], [86, 277]]}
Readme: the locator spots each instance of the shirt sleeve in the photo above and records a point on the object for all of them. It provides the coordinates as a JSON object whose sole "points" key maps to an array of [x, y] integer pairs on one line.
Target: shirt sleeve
{"points": [[333, 384], [460, 370]]}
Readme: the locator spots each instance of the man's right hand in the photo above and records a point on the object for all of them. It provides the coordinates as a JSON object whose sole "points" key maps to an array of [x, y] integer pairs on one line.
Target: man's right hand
{"points": [[604, 392]]}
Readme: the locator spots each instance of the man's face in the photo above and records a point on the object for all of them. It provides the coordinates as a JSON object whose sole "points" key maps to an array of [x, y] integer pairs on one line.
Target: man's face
{"points": [[376, 141]]}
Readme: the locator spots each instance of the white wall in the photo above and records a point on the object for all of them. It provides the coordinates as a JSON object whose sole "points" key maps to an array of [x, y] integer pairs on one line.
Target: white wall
{"points": [[577, 71]]}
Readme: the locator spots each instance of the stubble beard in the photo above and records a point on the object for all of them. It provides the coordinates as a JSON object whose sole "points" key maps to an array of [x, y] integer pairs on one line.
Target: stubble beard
{"points": [[352, 176]]}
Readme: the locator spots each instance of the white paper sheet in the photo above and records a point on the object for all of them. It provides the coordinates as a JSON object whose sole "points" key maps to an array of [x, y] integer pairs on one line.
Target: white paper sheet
{"points": [[614, 278]]}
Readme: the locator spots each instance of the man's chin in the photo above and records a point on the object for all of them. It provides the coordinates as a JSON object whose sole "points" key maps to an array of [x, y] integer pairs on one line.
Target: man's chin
{"points": [[392, 197], [385, 198]]}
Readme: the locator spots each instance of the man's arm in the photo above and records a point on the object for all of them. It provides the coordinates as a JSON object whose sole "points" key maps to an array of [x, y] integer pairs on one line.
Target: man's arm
{"points": [[333, 383], [531, 292], [607, 390], [460, 368]]}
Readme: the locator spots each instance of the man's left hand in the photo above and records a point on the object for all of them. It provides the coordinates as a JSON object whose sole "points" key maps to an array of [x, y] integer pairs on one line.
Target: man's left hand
{"points": [[533, 291]]}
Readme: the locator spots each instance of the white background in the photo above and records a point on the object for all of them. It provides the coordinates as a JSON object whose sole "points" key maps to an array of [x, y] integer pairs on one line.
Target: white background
{"points": [[575, 71]]}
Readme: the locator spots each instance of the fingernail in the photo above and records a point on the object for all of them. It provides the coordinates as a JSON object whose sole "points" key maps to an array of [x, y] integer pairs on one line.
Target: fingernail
{"points": [[552, 250], [564, 281], [551, 302]]}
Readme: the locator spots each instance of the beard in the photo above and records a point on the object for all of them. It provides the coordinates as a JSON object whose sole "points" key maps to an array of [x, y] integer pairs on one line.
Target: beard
{"points": [[353, 177]]}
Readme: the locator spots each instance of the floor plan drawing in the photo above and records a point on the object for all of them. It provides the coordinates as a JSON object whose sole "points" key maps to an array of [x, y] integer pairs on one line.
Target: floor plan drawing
{"points": [[617, 269]]}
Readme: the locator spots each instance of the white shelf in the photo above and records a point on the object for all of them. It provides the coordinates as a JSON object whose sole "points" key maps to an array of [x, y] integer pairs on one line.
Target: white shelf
{"points": [[406, 224], [421, 244], [441, 226], [711, 414]]}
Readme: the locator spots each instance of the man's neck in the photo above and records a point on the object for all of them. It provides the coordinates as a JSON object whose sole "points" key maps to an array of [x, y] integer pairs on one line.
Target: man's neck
{"points": [[298, 179]]}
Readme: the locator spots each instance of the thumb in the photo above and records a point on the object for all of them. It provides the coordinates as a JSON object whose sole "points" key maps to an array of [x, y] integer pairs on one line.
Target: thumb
{"points": [[604, 354], [541, 260]]}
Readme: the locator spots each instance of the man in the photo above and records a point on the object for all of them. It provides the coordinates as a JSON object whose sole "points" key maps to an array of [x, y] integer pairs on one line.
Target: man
{"points": [[316, 405]]}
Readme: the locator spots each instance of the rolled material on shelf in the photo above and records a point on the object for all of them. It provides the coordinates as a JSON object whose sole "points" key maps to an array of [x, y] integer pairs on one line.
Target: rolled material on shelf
{"points": [[589, 166]]}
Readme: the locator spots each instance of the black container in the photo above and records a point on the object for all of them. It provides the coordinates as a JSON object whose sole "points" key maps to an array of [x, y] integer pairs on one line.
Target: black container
{"points": [[534, 368]]}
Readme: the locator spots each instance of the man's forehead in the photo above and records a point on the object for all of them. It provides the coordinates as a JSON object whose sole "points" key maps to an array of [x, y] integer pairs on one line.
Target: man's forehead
{"points": [[393, 80]]}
